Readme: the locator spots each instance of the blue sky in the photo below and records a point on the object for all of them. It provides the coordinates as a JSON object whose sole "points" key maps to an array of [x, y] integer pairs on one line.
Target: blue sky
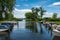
{"points": [[23, 6]]}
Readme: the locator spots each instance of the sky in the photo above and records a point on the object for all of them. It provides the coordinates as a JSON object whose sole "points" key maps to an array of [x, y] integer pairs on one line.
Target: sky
{"points": [[23, 6]]}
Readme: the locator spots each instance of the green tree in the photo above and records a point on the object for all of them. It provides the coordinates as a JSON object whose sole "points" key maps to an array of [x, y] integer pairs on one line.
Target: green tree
{"points": [[35, 12], [6, 6], [54, 16], [28, 15], [42, 12]]}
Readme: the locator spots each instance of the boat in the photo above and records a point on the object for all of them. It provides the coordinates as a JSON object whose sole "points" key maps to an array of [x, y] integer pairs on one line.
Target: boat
{"points": [[56, 31], [3, 28]]}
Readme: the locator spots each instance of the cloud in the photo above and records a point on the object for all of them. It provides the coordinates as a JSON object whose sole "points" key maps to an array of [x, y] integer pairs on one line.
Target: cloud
{"points": [[48, 14], [54, 4], [20, 13], [58, 15]]}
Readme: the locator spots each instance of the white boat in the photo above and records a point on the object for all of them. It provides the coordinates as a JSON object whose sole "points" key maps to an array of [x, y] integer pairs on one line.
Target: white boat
{"points": [[3, 28], [56, 31]]}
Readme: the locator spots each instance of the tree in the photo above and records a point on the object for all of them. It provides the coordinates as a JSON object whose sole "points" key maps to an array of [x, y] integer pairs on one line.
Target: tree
{"points": [[42, 12], [6, 6], [28, 15], [35, 12], [54, 16]]}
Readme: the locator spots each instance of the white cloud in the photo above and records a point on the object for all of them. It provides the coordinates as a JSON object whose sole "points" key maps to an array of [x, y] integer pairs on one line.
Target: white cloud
{"points": [[56, 3], [48, 14], [20, 13], [58, 15]]}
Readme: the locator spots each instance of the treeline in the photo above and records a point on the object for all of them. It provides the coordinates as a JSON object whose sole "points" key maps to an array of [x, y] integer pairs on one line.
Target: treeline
{"points": [[37, 14], [51, 19], [17, 19]]}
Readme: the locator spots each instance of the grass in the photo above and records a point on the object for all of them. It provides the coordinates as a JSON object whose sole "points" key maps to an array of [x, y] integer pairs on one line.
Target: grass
{"points": [[32, 21], [57, 22]]}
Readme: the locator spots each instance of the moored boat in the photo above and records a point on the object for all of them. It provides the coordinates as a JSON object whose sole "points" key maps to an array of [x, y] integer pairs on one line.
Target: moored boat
{"points": [[56, 31], [3, 28]]}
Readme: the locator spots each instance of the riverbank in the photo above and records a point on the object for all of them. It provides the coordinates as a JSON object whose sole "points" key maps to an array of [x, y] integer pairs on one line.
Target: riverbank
{"points": [[57, 22]]}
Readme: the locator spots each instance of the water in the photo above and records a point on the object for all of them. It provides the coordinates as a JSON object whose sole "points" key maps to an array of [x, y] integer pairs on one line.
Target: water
{"points": [[29, 31]]}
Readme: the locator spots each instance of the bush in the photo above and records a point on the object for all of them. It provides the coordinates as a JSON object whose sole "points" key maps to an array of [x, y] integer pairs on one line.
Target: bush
{"points": [[51, 19], [30, 15]]}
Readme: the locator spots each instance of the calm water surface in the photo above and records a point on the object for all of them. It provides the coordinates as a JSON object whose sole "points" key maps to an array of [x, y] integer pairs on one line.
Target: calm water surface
{"points": [[29, 31]]}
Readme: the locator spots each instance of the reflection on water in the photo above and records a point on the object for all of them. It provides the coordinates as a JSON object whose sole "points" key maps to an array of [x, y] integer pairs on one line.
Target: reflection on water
{"points": [[29, 31], [32, 26], [4, 36]]}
